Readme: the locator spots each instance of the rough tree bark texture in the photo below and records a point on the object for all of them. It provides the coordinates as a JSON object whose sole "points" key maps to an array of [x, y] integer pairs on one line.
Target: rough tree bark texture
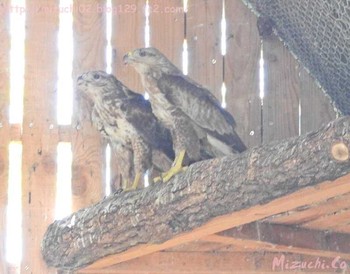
{"points": [[206, 190]]}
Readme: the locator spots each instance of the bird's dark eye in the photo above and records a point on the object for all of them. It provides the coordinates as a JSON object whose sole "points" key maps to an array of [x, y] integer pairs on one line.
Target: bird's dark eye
{"points": [[96, 76], [142, 53]]}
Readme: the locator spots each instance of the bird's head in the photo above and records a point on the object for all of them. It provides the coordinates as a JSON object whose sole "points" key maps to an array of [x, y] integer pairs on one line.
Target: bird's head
{"points": [[98, 84], [146, 59]]}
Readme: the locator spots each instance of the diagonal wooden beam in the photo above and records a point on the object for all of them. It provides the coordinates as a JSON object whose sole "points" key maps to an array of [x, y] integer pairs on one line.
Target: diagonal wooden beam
{"points": [[260, 246], [306, 214], [330, 221], [222, 262], [303, 197], [292, 236], [344, 228], [282, 238]]}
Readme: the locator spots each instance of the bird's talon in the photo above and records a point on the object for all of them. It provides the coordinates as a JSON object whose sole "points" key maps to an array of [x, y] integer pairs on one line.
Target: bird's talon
{"points": [[134, 184], [175, 169], [158, 179]]}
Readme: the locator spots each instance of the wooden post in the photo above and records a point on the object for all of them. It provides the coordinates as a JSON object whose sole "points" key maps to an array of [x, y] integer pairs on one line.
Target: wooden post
{"points": [[282, 91], [87, 145], [242, 71], [203, 37], [167, 28], [39, 141], [128, 31], [4, 125]]}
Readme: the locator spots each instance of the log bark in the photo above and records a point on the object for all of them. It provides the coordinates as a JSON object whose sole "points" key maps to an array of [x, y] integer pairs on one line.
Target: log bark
{"points": [[206, 190]]}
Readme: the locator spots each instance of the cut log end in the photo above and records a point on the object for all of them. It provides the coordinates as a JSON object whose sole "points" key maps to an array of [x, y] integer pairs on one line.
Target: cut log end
{"points": [[340, 152]]}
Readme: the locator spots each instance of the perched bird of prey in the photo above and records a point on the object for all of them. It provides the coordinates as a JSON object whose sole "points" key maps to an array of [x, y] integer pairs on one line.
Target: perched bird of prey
{"points": [[200, 127], [126, 119], [123, 150]]}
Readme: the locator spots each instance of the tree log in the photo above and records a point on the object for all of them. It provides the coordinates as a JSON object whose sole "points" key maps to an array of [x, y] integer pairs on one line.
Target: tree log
{"points": [[206, 190]]}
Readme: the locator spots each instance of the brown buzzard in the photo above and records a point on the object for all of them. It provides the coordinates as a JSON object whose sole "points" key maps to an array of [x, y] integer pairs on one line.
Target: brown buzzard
{"points": [[126, 119], [198, 124]]}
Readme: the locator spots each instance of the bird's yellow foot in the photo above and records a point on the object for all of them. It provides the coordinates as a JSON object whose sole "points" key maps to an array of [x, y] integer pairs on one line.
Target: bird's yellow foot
{"points": [[175, 169], [134, 184]]}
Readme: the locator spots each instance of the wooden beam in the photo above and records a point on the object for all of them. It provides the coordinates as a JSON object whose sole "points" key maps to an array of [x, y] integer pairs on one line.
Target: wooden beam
{"points": [[330, 221], [270, 237], [212, 263], [186, 262], [199, 202], [309, 213], [344, 229], [4, 121], [266, 246], [196, 246], [39, 143]]}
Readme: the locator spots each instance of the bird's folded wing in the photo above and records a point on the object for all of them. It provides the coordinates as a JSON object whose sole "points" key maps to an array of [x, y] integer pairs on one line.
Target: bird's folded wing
{"points": [[197, 103]]}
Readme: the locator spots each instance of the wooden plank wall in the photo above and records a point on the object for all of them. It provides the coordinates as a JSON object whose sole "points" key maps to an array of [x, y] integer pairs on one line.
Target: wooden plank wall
{"points": [[242, 72], [4, 128], [314, 104], [281, 100], [166, 22], [203, 33], [293, 102], [128, 28], [39, 141], [87, 145]]}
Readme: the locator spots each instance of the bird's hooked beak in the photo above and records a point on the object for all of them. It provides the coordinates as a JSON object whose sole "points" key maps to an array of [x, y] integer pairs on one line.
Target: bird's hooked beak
{"points": [[80, 80], [127, 57]]}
